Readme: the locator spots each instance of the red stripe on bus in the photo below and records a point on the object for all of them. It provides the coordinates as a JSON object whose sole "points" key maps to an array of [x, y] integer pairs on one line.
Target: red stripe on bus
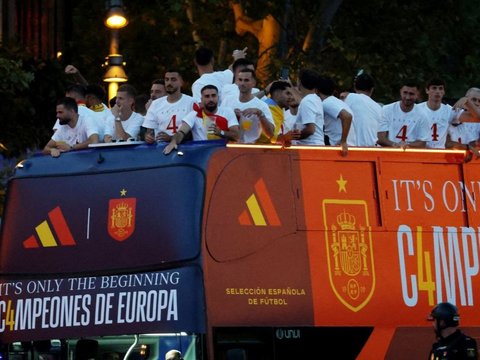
{"points": [[61, 228], [267, 204]]}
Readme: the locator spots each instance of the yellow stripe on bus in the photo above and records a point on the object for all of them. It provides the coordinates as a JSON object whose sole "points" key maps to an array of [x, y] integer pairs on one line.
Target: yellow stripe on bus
{"points": [[45, 235], [255, 211]]}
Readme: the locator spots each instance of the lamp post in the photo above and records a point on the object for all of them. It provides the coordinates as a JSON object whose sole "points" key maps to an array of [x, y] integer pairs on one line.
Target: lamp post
{"points": [[115, 73]]}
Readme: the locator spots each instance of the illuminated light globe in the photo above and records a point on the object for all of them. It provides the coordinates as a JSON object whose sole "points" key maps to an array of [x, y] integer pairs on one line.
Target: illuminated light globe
{"points": [[116, 19]]}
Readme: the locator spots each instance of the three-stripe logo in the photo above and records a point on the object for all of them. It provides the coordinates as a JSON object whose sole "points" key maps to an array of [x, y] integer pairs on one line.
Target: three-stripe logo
{"points": [[260, 209], [45, 237]]}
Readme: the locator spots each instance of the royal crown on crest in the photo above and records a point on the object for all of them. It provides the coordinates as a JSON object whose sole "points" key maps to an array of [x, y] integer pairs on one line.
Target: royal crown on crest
{"points": [[122, 218], [346, 221], [123, 206]]}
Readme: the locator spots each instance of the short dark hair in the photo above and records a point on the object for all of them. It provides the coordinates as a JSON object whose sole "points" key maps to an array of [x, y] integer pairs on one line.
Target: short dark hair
{"points": [[77, 89], [363, 82], [278, 85], [95, 90], [174, 71], [249, 71], [308, 78], [158, 82], [129, 89], [209, 86], [325, 85], [68, 103], [203, 55], [140, 102], [241, 62], [410, 83], [435, 81]]}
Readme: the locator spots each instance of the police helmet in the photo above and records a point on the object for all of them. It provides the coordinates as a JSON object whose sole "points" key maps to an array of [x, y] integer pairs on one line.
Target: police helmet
{"points": [[446, 312]]}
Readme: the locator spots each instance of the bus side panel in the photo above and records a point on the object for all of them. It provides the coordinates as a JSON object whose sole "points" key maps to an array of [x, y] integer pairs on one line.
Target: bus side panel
{"points": [[421, 253], [341, 211], [162, 301], [256, 266], [102, 221], [374, 240]]}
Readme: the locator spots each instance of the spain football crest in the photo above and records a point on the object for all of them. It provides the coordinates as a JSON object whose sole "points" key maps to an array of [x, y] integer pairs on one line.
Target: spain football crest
{"points": [[349, 251], [121, 217]]}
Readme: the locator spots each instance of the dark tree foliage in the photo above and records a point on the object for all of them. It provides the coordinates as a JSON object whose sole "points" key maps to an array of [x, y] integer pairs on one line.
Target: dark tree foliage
{"points": [[392, 40], [27, 103]]}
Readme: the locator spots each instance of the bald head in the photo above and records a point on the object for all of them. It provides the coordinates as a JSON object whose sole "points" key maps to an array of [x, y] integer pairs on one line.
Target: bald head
{"points": [[173, 355], [472, 91]]}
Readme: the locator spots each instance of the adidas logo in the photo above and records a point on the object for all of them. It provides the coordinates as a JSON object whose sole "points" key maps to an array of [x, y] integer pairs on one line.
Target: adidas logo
{"points": [[45, 237], [260, 210]]}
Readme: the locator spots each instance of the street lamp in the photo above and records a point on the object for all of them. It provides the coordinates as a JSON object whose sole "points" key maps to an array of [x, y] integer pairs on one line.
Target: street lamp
{"points": [[114, 20], [115, 71], [115, 16]]}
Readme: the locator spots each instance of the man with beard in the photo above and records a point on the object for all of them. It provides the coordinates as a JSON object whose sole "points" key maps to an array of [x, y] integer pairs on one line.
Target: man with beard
{"points": [[157, 90], [279, 100], [254, 114], [75, 131], [78, 93], [165, 114], [403, 123], [209, 121]]}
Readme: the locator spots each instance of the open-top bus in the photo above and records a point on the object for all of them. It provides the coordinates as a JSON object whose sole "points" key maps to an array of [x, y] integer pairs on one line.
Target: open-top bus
{"points": [[237, 252]]}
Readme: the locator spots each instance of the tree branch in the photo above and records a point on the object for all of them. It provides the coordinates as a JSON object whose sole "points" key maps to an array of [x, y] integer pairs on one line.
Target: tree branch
{"points": [[316, 31]]}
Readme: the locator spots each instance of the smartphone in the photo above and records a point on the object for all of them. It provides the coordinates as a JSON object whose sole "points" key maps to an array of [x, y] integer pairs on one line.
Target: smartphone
{"points": [[284, 73]]}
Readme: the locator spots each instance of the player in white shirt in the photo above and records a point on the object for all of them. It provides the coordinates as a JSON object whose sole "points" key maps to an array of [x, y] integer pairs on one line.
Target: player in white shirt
{"points": [[254, 114], [460, 135], [130, 126], [464, 131], [164, 116], [124, 123], [309, 123], [367, 112], [218, 78], [294, 99], [77, 92], [157, 90], [403, 123], [75, 131], [94, 94], [204, 61], [470, 103], [440, 115], [338, 117], [208, 122], [232, 90], [290, 120]]}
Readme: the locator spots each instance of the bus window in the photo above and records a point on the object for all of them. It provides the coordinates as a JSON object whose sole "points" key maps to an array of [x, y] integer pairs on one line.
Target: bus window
{"points": [[149, 347], [36, 350]]}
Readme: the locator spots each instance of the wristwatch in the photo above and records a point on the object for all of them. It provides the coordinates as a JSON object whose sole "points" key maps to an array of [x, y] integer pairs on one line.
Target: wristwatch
{"points": [[222, 133], [118, 118]]}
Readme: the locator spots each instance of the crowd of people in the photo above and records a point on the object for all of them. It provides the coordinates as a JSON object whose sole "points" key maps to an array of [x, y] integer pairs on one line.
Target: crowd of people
{"points": [[228, 105]]}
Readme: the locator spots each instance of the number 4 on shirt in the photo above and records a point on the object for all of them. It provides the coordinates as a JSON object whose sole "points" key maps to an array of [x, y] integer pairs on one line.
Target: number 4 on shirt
{"points": [[172, 125], [434, 132], [402, 134]]}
